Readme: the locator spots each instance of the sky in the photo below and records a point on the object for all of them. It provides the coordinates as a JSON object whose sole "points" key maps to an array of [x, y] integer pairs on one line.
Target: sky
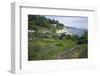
{"points": [[72, 21]]}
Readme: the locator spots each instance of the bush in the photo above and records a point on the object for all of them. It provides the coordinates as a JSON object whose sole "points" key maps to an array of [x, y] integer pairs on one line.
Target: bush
{"points": [[74, 37], [83, 39], [59, 45]]}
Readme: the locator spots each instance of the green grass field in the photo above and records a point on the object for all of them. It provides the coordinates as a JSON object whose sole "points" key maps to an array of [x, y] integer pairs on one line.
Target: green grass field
{"points": [[44, 49]]}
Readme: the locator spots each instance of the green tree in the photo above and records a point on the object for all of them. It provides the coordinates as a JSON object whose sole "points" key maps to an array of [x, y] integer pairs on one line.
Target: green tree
{"points": [[83, 39]]}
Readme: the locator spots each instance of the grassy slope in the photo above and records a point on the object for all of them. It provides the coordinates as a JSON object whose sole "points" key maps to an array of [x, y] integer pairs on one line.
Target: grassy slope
{"points": [[48, 49]]}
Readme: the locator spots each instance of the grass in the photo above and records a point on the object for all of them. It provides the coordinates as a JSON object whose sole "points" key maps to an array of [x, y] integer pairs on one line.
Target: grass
{"points": [[44, 49]]}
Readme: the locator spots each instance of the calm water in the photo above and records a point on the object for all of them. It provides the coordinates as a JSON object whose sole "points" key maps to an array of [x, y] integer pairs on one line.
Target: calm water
{"points": [[76, 31]]}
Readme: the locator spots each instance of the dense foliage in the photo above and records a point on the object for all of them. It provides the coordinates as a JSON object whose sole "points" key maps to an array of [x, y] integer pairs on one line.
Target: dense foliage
{"points": [[36, 22]]}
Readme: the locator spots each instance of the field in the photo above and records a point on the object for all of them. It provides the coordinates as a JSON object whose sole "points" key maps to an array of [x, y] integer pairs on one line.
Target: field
{"points": [[55, 49]]}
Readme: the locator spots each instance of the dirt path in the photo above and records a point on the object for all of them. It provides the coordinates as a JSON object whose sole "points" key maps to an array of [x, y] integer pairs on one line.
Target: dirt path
{"points": [[70, 53]]}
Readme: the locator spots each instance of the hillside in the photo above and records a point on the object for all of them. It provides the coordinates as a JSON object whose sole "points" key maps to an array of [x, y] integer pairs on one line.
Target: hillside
{"points": [[49, 39], [41, 23]]}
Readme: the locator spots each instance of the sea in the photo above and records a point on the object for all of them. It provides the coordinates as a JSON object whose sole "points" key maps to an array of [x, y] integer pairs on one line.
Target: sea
{"points": [[76, 31]]}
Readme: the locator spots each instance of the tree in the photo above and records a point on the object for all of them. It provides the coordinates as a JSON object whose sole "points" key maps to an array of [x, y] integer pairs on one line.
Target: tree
{"points": [[60, 26], [83, 39], [75, 37]]}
